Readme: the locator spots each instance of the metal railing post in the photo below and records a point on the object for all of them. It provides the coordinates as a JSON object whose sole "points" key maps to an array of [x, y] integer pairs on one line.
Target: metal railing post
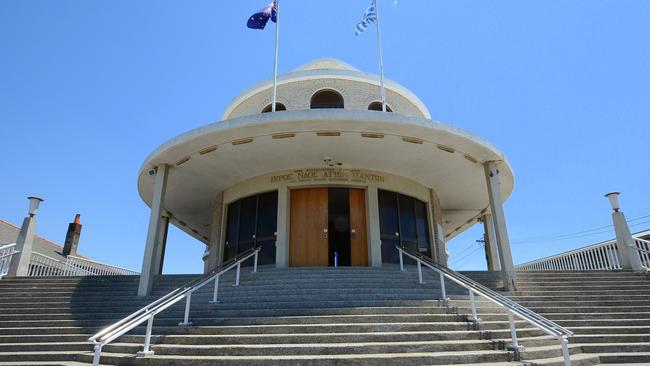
{"points": [[146, 314], [98, 352], [401, 260], [442, 287], [237, 276], [216, 290], [513, 332], [147, 340], [565, 350], [255, 263], [472, 300], [420, 271], [186, 319]]}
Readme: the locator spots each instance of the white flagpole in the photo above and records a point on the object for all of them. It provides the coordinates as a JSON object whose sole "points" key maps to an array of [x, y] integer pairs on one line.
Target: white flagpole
{"points": [[275, 61], [381, 62]]}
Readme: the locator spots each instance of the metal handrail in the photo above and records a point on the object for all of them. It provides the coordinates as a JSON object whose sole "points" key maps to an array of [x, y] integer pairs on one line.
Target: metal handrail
{"points": [[148, 312], [475, 288]]}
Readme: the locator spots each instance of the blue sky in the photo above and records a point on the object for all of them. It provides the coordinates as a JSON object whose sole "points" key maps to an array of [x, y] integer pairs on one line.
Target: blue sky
{"points": [[89, 88]]}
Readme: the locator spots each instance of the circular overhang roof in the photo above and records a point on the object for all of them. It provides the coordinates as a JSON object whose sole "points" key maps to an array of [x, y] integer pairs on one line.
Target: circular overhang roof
{"points": [[209, 159]]}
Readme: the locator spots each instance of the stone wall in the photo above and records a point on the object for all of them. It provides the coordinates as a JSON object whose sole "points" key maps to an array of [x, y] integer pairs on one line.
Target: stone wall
{"points": [[297, 95]]}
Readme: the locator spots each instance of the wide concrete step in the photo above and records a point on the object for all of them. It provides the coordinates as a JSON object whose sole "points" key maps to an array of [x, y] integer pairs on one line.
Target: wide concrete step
{"points": [[287, 319], [45, 347], [287, 349], [581, 359], [632, 347], [611, 337], [640, 358], [13, 357], [105, 312], [389, 359]]}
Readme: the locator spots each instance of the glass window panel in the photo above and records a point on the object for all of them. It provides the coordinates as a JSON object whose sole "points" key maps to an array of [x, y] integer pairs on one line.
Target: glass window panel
{"points": [[231, 230], [407, 218], [247, 221], [267, 253], [388, 224], [267, 215], [422, 227], [389, 253]]}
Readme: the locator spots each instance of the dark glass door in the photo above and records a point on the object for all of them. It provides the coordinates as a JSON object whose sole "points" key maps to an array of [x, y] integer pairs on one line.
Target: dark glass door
{"points": [[339, 226], [252, 221], [402, 221]]}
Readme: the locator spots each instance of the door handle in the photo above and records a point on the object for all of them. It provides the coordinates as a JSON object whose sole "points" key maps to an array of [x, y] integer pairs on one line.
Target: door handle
{"points": [[353, 233], [325, 233]]}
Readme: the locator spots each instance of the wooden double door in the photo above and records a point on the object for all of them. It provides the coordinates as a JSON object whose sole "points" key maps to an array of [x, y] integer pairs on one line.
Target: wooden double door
{"points": [[328, 223]]}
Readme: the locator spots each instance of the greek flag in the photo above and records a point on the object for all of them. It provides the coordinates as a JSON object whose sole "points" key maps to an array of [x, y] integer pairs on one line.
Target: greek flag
{"points": [[370, 16]]}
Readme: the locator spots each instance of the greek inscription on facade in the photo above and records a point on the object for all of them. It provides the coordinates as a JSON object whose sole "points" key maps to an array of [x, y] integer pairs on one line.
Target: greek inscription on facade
{"points": [[325, 174], [282, 178]]}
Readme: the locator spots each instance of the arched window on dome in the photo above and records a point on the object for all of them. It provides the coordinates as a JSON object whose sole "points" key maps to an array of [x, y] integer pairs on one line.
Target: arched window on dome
{"points": [[376, 106], [278, 107], [326, 99]]}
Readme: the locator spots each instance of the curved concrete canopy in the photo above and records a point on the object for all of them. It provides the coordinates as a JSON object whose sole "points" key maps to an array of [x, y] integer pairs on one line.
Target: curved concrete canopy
{"points": [[209, 159]]}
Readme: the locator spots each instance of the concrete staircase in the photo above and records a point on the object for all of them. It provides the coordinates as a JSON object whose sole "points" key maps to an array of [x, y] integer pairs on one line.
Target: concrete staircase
{"points": [[609, 311], [315, 316]]}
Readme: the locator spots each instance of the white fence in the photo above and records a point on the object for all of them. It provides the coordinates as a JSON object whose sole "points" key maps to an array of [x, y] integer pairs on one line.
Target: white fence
{"points": [[43, 266], [598, 257], [6, 253]]}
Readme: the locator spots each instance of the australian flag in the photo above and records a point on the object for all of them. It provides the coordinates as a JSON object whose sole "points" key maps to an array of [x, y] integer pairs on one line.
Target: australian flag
{"points": [[259, 19]]}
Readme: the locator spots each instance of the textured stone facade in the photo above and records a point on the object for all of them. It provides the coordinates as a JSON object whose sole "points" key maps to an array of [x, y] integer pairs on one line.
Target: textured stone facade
{"points": [[297, 95]]}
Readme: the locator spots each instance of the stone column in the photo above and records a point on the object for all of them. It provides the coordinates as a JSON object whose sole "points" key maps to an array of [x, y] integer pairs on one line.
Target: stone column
{"points": [[627, 252], [152, 247], [500, 228], [19, 266], [491, 251], [215, 249], [374, 236], [439, 243], [282, 234], [159, 254]]}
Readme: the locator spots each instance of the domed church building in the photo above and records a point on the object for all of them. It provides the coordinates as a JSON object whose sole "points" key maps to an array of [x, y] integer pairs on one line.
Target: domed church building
{"points": [[328, 179]]}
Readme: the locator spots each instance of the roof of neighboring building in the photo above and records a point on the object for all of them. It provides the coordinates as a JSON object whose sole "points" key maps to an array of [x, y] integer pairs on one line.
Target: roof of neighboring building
{"points": [[9, 233]]}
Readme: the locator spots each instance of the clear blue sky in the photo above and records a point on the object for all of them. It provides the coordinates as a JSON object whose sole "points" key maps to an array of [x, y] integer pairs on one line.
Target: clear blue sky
{"points": [[89, 88]]}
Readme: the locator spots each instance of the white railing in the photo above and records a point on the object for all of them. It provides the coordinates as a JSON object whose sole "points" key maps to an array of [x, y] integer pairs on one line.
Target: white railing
{"points": [[147, 313], [603, 256], [597, 257], [43, 266], [511, 307], [643, 247], [6, 253], [87, 267]]}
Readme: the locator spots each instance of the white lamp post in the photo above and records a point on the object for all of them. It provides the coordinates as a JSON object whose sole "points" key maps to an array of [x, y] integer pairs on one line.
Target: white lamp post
{"points": [[34, 202], [627, 252], [19, 265], [613, 200]]}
